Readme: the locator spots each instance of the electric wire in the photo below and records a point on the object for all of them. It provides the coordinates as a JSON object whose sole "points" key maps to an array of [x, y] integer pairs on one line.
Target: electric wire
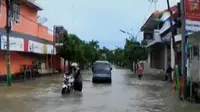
{"points": [[150, 6]]}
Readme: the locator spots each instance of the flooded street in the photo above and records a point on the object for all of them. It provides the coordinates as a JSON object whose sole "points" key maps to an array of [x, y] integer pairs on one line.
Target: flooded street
{"points": [[125, 94]]}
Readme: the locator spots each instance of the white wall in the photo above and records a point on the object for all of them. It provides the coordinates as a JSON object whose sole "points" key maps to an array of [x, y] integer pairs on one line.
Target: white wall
{"points": [[156, 38], [194, 66]]}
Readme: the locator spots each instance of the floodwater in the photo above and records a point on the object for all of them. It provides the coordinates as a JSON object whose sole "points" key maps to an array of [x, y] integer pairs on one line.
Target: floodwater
{"points": [[125, 94]]}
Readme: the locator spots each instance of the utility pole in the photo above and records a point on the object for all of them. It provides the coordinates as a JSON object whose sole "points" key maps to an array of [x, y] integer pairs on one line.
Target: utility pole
{"points": [[183, 47], [172, 32], [9, 11], [53, 50], [174, 46]]}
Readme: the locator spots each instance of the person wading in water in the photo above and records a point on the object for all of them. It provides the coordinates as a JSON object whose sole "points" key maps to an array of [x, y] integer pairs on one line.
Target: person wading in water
{"points": [[139, 71]]}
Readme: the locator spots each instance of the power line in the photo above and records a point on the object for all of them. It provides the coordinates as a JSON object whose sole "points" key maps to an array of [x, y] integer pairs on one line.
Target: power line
{"points": [[150, 5], [154, 1], [26, 17]]}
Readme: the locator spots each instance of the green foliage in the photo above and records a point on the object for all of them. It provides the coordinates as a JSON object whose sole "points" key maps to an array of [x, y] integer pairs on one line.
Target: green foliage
{"points": [[76, 50], [134, 52]]}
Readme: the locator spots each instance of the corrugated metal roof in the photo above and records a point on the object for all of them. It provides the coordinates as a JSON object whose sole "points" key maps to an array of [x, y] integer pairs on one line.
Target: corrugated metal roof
{"points": [[152, 17], [33, 4]]}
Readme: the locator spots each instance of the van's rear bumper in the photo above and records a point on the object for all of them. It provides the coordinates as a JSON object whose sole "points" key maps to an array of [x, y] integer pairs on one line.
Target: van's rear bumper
{"points": [[95, 79]]}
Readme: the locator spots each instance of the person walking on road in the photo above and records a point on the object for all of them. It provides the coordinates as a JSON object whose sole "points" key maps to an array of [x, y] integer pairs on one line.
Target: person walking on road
{"points": [[168, 73], [139, 71]]}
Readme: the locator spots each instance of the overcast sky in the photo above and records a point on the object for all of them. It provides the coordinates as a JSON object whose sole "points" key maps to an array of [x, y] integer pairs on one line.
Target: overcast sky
{"points": [[100, 19]]}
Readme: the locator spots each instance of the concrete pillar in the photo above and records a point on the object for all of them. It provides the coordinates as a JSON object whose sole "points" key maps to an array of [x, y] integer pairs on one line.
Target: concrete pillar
{"points": [[47, 62], [188, 65], [198, 62], [149, 59], [172, 58], [165, 57]]}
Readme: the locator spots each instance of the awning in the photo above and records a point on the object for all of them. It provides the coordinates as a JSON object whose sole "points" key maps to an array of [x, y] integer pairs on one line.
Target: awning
{"points": [[151, 22], [166, 19], [33, 4]]}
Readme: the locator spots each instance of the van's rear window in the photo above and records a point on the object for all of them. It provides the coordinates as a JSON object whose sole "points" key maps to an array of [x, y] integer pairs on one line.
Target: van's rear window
{"points": [[103, 66]]}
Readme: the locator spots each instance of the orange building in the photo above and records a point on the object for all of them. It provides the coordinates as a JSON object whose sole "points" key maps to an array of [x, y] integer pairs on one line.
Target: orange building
{"points": [[29, 40]]}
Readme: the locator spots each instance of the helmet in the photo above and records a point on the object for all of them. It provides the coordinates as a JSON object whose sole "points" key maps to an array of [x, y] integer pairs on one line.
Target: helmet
{"points": [[74, 65]]}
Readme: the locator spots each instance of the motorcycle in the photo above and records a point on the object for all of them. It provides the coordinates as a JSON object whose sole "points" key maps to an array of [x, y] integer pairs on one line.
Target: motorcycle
{"points": [[68, 84]]}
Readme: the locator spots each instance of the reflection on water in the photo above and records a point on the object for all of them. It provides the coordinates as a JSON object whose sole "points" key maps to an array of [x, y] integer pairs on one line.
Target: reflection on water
{"points": [[125, 94]]}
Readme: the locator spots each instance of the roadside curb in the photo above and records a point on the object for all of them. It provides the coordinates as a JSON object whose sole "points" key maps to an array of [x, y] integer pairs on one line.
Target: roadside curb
{"points": [[16, 78]]}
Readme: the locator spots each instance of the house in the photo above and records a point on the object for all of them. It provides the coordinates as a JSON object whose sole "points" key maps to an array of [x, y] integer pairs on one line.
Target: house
{"points": [[193, 53], [156, 31], [29, 40]]}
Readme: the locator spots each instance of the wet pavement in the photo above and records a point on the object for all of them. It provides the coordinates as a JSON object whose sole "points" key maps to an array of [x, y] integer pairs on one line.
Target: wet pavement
{"points": [[125, 94]]}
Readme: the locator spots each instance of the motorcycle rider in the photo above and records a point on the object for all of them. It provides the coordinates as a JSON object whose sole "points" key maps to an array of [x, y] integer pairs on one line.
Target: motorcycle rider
{"points": [[77, 77]]}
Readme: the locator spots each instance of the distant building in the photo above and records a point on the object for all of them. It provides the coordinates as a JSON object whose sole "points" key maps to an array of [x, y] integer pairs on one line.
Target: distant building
{"points": [[104, 55]]}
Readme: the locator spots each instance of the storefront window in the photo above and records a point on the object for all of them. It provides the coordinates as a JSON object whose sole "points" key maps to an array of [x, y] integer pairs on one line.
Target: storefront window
{"points": [[16, 12]]}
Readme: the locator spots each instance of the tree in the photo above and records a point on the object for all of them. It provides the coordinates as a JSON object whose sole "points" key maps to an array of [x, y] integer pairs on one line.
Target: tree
{"points": [[119, 58], [76, 50], [89, 52], [134, 52], [75, 47]]}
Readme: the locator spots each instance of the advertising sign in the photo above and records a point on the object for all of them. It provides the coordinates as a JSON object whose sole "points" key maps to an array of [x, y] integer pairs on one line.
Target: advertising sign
{"points": [[35, 47], [59, 35], [192, 12], [16, 44], [49, 49]]}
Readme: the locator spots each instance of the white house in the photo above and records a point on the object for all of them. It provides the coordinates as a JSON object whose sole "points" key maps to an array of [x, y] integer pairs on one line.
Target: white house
{"points": [[157, 33]]}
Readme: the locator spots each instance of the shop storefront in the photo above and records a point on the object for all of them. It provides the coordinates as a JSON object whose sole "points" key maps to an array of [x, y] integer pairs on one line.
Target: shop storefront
{"points": [[25, 52]]}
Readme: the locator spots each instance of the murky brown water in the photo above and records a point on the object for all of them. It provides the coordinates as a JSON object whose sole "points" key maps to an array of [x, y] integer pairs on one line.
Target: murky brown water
{"points": [[125, 94]]}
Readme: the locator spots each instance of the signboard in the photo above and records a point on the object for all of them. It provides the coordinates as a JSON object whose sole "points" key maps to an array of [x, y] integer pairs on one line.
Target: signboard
{"points": [[192, 9], [16, 44], [49, 49], [59, 35], [35, 47]]}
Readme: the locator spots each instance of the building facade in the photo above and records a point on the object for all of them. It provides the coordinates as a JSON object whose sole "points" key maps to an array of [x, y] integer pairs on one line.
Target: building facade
{"points": [[158, 35], [29, 40]]}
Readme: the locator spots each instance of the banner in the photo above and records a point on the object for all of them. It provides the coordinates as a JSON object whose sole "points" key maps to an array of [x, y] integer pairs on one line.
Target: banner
{"points": [[192, 13], [16, 44], [35, 47]]}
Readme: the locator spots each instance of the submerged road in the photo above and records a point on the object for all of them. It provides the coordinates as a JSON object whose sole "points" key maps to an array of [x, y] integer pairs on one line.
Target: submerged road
{"points": [[125, 94]]}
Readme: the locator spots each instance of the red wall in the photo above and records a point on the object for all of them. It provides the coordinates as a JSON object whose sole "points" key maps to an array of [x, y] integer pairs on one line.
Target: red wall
{"points": [[56, 62], [16, 61]]}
